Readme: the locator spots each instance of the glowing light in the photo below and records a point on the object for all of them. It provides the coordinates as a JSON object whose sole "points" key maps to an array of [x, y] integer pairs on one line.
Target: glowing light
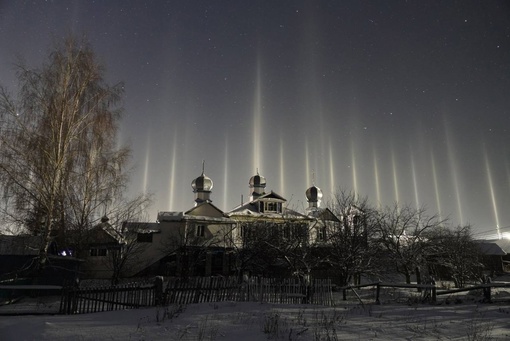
{"points": [[225, 175], [331, 168], [257, 120], [436, 184], [146, 166], [415, 182], [395, 176], [491, 190], [455, 174], [171, 189], [377, 185], [354, 172], [282, 168], [307, 160], [507, 172]]}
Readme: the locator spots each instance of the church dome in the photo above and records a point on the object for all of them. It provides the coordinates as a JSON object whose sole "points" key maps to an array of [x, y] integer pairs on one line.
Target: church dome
{"points": [[257, 181], [313, 194], [202, 184]]}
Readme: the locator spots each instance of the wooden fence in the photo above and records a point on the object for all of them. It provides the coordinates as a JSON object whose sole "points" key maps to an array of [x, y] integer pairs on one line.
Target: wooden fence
{"points": [[218, 289], [91, 300], [269, 290], [289, 291], [486, 289], [429, 291], [194, 290], [201, 289]]}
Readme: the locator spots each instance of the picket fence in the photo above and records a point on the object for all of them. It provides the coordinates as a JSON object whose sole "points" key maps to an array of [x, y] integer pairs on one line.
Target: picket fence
{"points": [[290, 291], [98, 299], [255, 289], [195, 290]]}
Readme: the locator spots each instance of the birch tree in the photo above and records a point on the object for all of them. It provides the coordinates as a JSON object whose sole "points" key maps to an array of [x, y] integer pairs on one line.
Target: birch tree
{"points": [[60, 169]]}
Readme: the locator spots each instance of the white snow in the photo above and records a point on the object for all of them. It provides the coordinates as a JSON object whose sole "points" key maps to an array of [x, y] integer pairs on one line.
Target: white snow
{"points": [[252, 321]]}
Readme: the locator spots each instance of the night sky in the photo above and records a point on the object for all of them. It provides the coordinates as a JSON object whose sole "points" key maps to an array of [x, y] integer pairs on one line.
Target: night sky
{"points": [[405, 101]]}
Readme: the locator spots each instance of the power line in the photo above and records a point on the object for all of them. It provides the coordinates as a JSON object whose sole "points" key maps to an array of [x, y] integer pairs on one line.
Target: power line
{"points": [[491, 231]]}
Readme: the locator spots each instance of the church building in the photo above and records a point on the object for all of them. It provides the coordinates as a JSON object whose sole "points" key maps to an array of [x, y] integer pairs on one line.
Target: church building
{"points": [[205, 241]]}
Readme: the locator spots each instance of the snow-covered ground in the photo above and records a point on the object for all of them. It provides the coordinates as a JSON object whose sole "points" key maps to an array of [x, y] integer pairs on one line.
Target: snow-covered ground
{"points": [[254, 321]]}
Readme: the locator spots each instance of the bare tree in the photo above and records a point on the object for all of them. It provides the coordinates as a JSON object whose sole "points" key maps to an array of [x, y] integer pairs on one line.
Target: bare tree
{"points": [[252, 254], [454, 251], [291, 243], [188, 245], [276, 246], [59, 167], [129, 255], [402, 236], [350, 244]]}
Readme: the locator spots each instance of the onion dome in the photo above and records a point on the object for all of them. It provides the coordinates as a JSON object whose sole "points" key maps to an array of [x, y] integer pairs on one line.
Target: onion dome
{"points": [[313, 194], [257, 184], [257, 181], [202, 184], [202, 187]]}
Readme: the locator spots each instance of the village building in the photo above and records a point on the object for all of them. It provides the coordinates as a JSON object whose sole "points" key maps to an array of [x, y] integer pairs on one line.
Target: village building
{"points": [[204, 240]]}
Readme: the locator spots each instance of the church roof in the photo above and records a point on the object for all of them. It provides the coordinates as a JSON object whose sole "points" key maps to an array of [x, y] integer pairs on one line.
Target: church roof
{"points": [[203, 211], [324, 214], [252, 208]]}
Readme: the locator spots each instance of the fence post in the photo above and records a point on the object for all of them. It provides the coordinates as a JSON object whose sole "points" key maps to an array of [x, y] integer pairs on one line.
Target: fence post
{"points": [[434, 294], [344, 294], [65, 301], [158, 287], [260, 289], [197, 291], [377, 292], [487, 289]]}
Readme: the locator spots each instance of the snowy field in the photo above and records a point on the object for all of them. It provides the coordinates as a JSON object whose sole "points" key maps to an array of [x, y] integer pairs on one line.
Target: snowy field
{"points": [[254, 321]]}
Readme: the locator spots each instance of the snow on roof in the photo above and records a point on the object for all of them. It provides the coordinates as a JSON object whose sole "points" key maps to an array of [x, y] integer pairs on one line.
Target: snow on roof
{"points": [[490, 248], [170, 216]]}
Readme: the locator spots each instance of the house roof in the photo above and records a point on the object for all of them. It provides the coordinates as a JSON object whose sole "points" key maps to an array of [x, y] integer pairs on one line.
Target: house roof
{"points": [[104, 234], [252, 209], [490, 248], [324, 214], [204, 211], [504, 244], [271, 195]]}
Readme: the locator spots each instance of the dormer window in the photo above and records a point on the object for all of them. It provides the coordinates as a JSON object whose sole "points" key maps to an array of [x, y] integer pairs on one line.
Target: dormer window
{"points": [[270, 206]]}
